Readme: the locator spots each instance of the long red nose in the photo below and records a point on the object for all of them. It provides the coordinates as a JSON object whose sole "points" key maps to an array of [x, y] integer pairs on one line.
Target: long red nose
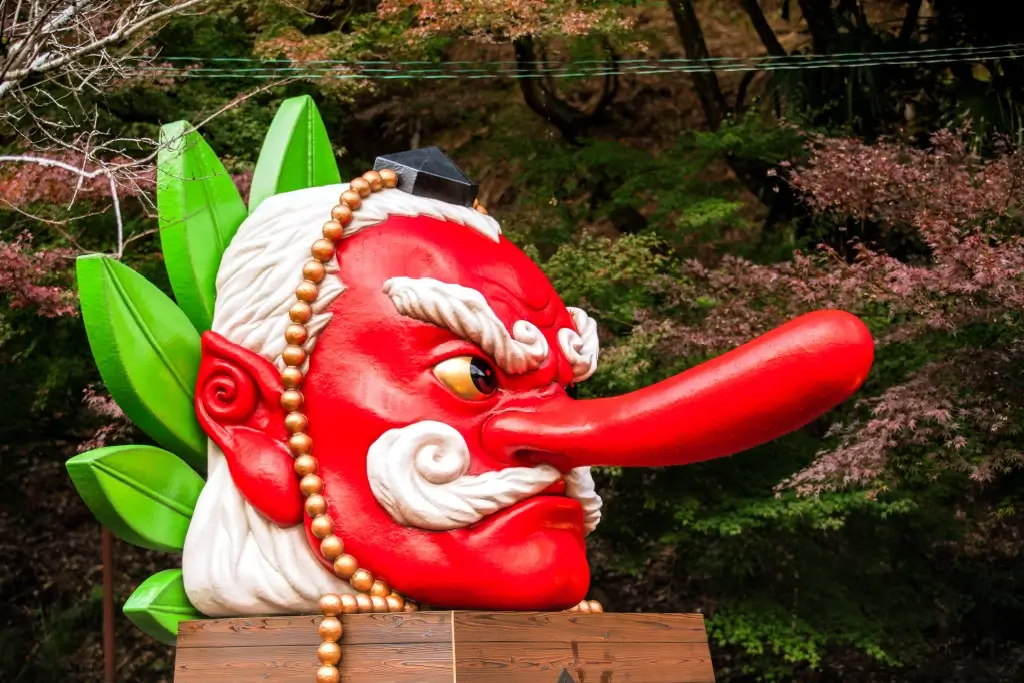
{"points": [[766, 388]]}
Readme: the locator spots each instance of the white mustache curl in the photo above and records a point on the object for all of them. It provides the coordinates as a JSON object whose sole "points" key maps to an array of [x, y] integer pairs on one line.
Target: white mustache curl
{"points": [[418, 474]]}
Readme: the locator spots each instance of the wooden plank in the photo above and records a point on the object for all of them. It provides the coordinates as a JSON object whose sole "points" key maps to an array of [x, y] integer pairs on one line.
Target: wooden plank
{"points": [[421, 663], [586, 662], [542, 627], [417, 627], [489, 647]]}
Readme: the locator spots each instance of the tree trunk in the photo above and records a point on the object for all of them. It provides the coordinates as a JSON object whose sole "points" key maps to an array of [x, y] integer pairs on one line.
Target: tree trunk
{"points": [[692, 36], [540, 94]]}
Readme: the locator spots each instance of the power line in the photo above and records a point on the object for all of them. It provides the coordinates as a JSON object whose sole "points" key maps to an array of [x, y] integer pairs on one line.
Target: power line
{"points": [[377, 70], [881, 54]]}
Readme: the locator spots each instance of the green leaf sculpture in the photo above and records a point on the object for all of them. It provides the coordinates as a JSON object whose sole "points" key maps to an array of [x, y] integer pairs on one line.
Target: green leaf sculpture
{"points": [[296, 153], [159, 605], [147, 351], [200, 211], [143, 494]]}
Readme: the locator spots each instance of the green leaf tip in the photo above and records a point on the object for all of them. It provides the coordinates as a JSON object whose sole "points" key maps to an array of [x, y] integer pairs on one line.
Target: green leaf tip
{"points": [[159, 604], [147, 353], [143, 494], [200, 210], [296, 153]]}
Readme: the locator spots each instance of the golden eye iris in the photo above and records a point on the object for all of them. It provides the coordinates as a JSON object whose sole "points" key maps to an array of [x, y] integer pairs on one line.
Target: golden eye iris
{"points": [[467, 377]]}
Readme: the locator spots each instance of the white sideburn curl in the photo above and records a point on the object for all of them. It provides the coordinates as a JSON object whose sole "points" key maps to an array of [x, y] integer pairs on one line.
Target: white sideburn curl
{"points": [[418, 475], [580, 349], [465, 312]]}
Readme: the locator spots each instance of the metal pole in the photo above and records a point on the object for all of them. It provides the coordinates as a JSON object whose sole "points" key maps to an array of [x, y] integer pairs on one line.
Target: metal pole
{"points": [[109, 655]]}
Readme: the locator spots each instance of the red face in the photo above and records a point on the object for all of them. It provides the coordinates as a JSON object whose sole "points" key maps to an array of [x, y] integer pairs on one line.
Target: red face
{"points": [[373, 370]]}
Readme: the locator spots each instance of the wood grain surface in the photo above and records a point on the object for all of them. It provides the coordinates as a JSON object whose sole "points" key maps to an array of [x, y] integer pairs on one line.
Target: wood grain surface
{"points": [[541, 627], [429, 663], [417, 627], [452, 647]]}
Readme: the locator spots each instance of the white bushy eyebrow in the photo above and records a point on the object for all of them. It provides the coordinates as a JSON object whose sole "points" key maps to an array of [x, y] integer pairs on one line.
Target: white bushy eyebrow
{"points": [[465, 312]]}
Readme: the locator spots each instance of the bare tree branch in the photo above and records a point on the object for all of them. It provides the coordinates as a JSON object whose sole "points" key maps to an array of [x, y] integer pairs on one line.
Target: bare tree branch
{"points": [[59, 56], [39, 44]]}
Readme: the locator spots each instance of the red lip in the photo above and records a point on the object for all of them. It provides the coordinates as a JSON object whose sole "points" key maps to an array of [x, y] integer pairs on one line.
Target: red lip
{"points": [[533, 514], [556, 489]]}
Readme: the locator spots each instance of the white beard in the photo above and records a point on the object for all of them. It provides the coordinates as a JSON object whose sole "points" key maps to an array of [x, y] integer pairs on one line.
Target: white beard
{"points": [[418, 474], [238, 563]]}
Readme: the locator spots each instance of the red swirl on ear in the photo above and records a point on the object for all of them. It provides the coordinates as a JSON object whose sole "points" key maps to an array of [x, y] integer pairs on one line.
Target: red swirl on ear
{"points": [[227, 393], [238, 397]]}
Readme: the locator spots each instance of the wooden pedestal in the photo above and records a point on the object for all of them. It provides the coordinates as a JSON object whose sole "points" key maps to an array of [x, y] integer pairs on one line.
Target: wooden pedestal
{"points": [[452, 647]]}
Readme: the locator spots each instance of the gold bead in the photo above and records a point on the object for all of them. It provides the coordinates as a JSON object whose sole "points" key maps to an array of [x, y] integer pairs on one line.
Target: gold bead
{"points": [[362, 580], [395, 602], [389, 178], [584, 607], [345, 566], [305, 464], [332, 230], [293, 356], [349, 604], [322, 526], [314, 271], [300, 312], [330, 628], [481, 209], [342, 213], [316, 505], [374, 179], [329, 653], [291, 378], [595, 607], [330, 605], [410, 606], [300, 444], [296, 335], [322, 249], [311, 485], [331, 547], [380, 588], [363, 603], [328, 674], [291, 400], [295, 422], [352, 199], [380, 605], [306, 292], [361, 186]]}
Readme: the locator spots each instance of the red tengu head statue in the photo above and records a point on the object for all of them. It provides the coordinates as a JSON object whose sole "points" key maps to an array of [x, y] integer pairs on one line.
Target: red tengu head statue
{"points": [[387, 409]]}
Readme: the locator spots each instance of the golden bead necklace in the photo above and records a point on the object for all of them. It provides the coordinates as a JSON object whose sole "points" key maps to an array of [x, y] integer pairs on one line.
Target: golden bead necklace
{"points": [[371, 593]]}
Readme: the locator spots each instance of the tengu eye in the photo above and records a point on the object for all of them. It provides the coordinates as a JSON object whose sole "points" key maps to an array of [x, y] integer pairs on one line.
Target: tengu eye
{"points": [[467, 377]]}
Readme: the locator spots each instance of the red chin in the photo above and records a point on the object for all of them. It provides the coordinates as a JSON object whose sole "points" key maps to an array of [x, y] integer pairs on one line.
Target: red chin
{"points": [[537, 546]]}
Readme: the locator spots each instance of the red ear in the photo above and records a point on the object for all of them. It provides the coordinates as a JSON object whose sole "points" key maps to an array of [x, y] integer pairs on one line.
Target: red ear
{"points": [[238, 405]]}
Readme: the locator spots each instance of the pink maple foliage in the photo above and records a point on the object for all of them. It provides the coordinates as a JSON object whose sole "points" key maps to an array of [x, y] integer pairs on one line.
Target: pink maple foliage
{"points": [[115, 426], [27, 275], [499, 19], [963, 210], [25, 184]]}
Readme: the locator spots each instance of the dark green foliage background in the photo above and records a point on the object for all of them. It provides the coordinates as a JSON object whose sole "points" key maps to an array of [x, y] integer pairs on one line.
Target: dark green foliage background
{"points": [[919, 583]]}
